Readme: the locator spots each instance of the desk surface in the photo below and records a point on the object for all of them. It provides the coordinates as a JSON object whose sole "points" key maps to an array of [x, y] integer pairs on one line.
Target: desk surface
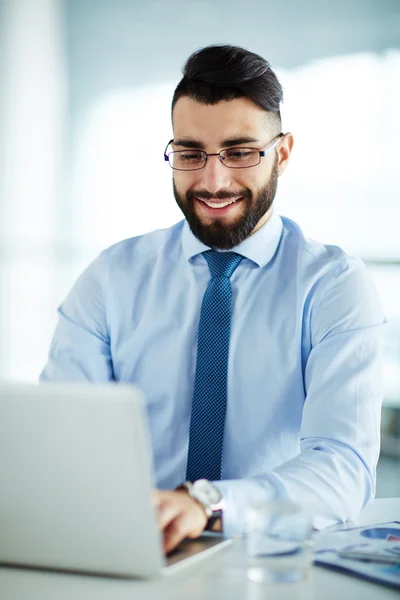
{"points": [[220, 576]]}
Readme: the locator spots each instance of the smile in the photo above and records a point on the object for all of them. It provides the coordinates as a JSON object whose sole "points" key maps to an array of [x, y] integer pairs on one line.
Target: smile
{"points": [[220, 204]]}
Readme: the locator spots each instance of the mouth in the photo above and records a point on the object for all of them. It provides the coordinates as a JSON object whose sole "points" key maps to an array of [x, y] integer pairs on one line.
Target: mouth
{"points": [[218, 208]]}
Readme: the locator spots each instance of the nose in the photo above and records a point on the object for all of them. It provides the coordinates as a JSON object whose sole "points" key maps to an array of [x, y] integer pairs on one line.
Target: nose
{"points": [[215, 176]]}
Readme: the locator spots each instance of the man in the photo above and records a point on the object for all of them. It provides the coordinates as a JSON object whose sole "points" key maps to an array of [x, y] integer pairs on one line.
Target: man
{"points": [[257, 349]]}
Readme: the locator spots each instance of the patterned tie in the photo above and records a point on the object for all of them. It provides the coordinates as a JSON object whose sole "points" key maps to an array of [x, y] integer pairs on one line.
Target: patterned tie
{"points": [[210, 387]]}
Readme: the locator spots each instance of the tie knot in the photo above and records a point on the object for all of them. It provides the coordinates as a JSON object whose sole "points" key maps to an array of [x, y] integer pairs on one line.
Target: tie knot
{"points": [[222, 264]]}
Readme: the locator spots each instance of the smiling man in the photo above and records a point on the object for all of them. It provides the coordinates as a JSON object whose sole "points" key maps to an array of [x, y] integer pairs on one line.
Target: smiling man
{"points": [[258, 350], [223, 206]]}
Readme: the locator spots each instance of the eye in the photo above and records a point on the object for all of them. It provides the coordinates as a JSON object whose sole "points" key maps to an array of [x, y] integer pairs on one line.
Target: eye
{"points": [[239, 154], [190, 155]]}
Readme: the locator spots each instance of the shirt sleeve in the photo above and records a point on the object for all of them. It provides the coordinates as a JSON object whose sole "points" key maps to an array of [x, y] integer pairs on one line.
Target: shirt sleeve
{"points": [[335, 471], [80, 348]]}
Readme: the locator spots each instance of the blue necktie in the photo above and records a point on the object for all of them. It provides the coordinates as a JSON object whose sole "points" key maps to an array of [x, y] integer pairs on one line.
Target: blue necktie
{"points": [[210, 387]]}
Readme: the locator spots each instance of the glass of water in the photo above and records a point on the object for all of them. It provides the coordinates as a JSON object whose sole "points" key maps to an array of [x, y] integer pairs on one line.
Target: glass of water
{"points": [[278, 541]]}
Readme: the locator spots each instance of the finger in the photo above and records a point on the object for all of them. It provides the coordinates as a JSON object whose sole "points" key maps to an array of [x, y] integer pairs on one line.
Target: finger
{"points": [[187, 524], [167, 512], [174, 534], [155, 498]]}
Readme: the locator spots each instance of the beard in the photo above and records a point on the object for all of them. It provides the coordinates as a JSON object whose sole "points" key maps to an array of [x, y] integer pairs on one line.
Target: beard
{"points": [[225, 236]]}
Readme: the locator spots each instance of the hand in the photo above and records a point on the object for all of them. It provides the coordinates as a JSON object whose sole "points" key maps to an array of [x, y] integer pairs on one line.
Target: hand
{"points": [[178, 516]]}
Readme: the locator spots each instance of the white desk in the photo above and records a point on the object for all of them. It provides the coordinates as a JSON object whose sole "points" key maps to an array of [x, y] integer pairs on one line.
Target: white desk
{"points": [[218, 577]]}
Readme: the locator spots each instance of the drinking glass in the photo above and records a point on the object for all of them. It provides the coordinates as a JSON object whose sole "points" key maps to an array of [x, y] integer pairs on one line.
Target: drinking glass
{"points": [[278, 541]]}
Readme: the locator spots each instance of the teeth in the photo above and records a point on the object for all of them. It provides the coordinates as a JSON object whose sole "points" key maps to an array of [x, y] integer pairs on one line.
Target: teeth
{"points": [[221, 205]]}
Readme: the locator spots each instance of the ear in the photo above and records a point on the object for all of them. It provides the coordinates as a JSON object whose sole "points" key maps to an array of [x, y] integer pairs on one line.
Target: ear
{"points": [[284, 151]]}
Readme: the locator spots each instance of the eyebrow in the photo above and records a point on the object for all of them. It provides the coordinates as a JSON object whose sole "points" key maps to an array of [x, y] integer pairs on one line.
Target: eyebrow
{"points": [[235, 141]]}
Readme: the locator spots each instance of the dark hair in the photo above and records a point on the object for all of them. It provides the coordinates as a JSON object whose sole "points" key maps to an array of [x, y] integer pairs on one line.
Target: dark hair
{"points": [[222, 72]]}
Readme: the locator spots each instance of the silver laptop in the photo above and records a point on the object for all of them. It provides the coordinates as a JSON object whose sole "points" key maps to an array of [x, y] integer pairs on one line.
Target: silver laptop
{"points": [[76, 479]]}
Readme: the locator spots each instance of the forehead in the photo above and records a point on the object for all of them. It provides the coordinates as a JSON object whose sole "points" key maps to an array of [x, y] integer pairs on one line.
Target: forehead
{"points": [[212, 123]]}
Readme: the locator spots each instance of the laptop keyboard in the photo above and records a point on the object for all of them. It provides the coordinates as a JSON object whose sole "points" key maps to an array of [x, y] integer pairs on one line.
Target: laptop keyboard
{"points": [[189, 548]]}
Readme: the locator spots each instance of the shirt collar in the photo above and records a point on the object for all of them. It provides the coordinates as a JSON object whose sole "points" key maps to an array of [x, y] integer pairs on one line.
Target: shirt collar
{"points": [[259, 247]]}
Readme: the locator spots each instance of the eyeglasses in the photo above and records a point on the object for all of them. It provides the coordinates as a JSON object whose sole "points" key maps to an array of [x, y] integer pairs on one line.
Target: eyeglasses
{"points": [[233, 158]]}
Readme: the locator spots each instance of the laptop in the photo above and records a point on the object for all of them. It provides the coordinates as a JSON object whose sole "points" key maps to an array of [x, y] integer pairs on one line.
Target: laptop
{"points": [[76, 479]]}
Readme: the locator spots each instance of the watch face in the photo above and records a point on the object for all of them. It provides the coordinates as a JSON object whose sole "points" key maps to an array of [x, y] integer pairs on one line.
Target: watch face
{"points": [[206, 492]]}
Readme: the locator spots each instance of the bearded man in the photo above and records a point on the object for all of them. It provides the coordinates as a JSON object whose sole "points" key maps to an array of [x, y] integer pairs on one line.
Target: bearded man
{"points": [[258, 350]]}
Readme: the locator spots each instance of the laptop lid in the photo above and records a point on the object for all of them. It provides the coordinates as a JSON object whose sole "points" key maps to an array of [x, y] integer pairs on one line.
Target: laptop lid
{"points": [[76, 479]]}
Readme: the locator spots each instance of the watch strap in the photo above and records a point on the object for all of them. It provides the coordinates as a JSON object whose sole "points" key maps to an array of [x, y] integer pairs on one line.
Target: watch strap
{"points": [[214, 522]]}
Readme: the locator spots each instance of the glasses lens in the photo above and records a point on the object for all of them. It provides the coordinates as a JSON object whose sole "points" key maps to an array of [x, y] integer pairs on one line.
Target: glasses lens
{"points": [[187, 160], [240, 157]]}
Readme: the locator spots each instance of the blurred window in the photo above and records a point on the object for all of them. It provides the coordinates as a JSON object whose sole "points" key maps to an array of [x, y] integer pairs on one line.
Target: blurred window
{"points": [[342, 186]]}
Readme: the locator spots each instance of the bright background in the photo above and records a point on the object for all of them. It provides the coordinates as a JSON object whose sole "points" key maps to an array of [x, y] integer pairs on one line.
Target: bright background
{"points": [[85, 91]]}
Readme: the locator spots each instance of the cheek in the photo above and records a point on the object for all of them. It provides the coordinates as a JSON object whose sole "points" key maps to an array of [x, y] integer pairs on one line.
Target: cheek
{"points": [[253, 179], [251, 182], [183, 181], [259, 179]]}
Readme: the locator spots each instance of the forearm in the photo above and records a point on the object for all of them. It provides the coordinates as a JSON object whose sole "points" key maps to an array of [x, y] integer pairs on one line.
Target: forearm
{"points": [[328, 475]]}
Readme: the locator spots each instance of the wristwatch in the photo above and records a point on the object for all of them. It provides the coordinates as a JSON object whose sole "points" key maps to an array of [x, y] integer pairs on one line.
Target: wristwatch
{"points": [[209, 496]]}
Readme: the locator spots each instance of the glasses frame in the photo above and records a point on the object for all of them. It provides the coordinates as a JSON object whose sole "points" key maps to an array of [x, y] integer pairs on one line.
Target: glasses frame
{"points": [[206, 155]]}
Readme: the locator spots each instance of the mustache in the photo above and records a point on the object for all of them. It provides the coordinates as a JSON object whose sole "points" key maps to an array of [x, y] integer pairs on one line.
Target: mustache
{"points": [[220, 195]]}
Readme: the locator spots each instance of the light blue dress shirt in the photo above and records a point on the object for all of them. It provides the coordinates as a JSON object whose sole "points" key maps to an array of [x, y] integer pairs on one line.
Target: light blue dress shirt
{"points": [[304, 381]]}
